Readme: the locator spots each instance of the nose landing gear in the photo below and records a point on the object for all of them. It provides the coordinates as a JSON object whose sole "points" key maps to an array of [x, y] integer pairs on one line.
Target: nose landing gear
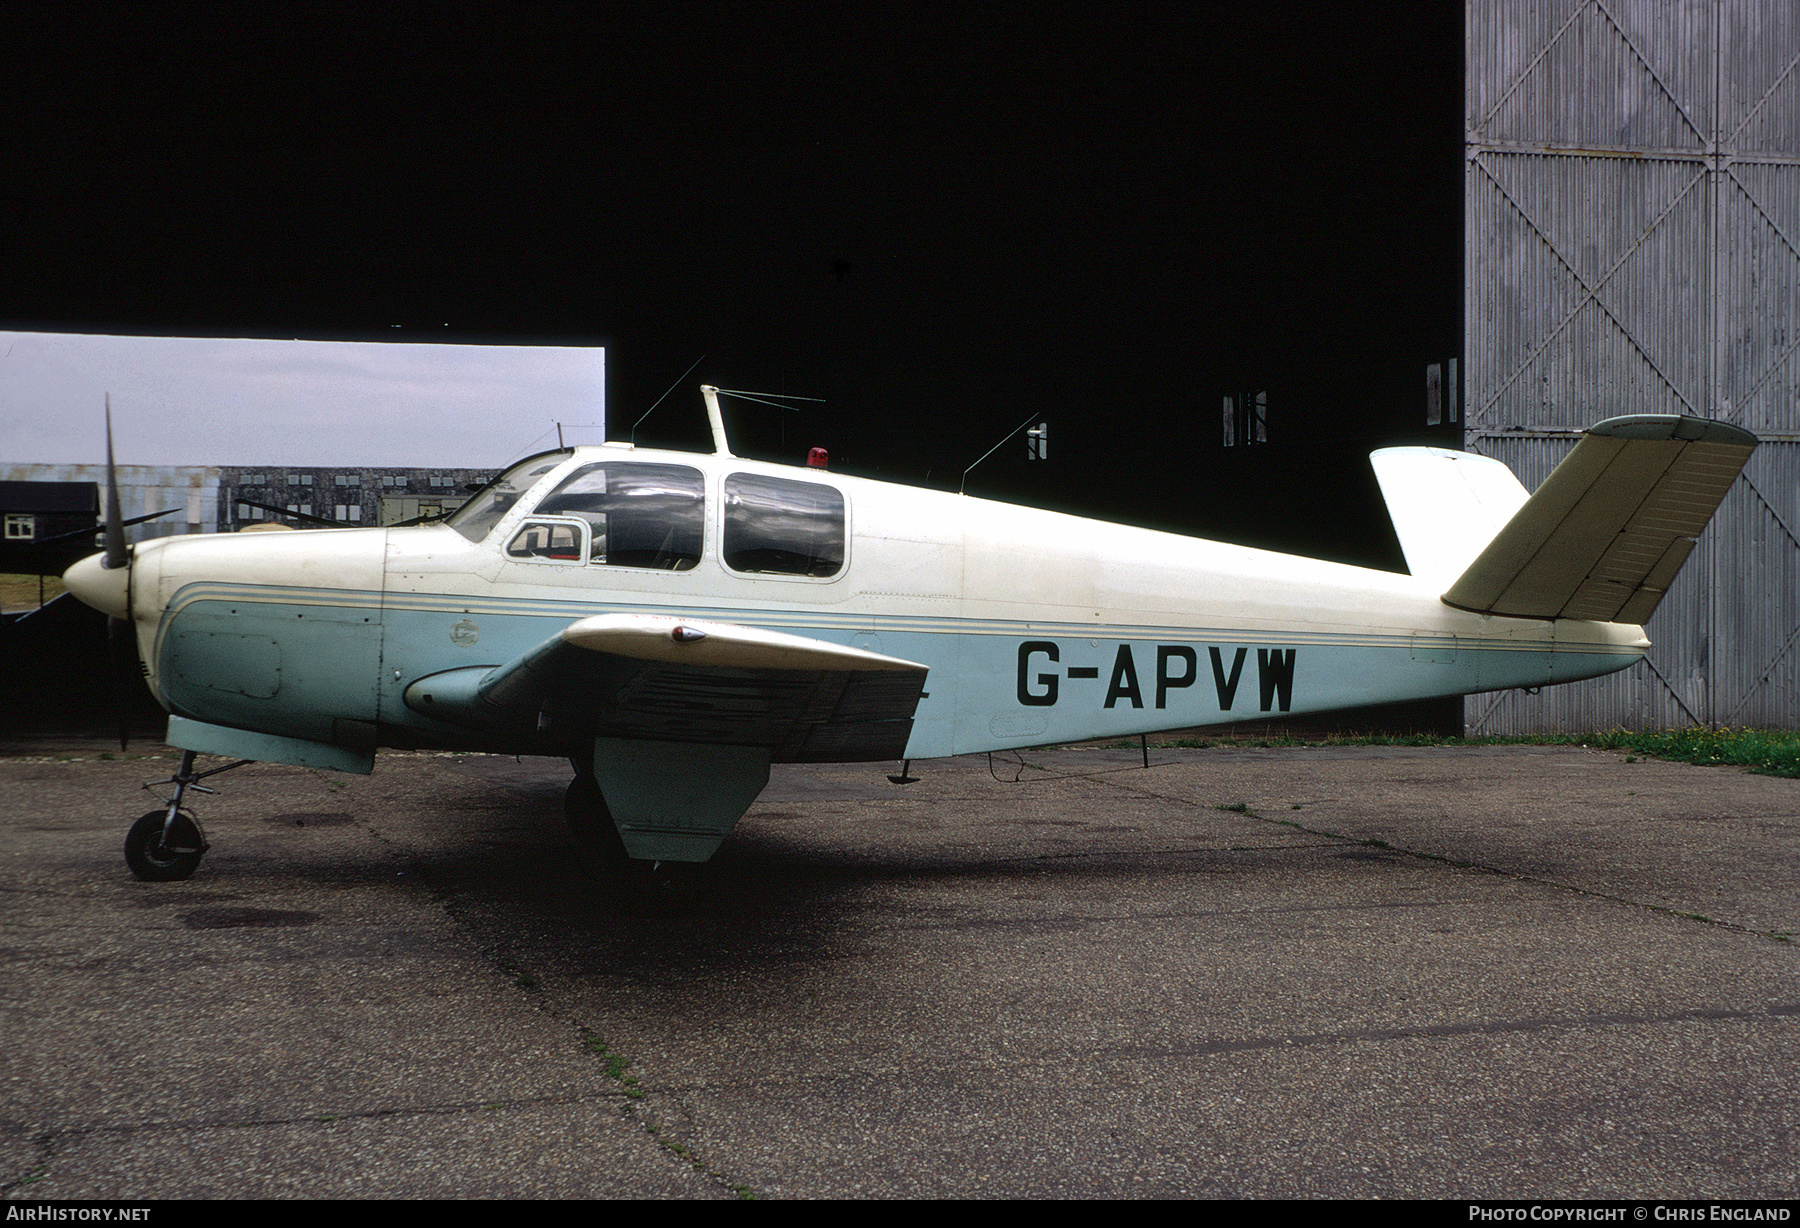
{"points": [[166, 845]]}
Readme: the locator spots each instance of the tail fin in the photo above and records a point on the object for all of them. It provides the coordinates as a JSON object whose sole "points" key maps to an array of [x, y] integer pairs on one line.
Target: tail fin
{"points": [[1603, 537], [1446, 506]]}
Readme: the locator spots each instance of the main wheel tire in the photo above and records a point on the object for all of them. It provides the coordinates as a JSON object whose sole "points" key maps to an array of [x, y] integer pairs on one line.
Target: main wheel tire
{"points": [[155, 860]]}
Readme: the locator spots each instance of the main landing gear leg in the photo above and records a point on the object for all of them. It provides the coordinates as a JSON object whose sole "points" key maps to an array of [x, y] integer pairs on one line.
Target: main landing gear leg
{"points": [[645, 883], [652, 812], [597, 841], [166, 845]]}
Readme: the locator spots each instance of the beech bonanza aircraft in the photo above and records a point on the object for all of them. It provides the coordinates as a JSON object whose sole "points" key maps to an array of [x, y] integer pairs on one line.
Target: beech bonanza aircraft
{"points": [[674, 623]]}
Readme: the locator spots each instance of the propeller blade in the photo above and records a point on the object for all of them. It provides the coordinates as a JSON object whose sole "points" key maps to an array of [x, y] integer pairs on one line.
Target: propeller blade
{"points": [[306, 516], [74, 533], [121, 646], [116, 553]]}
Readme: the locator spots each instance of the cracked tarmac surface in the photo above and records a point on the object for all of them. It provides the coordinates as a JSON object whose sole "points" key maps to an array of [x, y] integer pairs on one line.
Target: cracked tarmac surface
{"points": [[1371, 971]]}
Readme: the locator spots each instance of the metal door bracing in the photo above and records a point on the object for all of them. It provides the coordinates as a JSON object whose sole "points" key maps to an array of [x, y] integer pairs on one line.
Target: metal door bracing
{"points": [[1632, 202]]}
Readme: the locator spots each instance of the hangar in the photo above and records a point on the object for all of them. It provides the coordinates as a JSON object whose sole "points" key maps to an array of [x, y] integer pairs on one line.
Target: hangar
{"points": [[1632, 196]]}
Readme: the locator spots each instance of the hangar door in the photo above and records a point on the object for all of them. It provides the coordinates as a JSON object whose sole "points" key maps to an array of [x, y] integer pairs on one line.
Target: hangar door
{"points": [[1632, 203]]}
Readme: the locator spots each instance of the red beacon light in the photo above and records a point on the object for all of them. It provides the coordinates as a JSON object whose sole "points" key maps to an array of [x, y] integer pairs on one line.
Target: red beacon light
{"points": [[818, 458]]}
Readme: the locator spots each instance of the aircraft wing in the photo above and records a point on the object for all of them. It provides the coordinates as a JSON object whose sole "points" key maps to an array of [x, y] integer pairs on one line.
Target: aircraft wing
{"points": [[690, 680], [1603, 537]]}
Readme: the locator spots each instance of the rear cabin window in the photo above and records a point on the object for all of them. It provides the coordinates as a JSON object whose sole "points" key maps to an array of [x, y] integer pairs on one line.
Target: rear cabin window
{"points": [[781, 527], [638, 515]]}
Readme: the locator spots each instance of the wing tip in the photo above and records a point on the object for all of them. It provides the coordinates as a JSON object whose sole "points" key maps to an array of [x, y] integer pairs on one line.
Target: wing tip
{"points": [[1674, 427]]}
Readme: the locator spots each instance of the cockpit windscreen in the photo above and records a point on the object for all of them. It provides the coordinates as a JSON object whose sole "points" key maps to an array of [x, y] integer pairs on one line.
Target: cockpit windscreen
{"points": [[480, 514]]}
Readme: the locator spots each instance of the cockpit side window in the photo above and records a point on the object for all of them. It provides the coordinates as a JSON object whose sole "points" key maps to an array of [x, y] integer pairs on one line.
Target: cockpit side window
{"points": [[783, 527], [476, 518], [548, 541], [639, 515]]}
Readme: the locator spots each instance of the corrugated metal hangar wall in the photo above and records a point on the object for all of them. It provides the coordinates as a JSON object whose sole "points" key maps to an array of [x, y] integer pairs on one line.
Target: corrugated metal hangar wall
{"points": [[1632, 200]]}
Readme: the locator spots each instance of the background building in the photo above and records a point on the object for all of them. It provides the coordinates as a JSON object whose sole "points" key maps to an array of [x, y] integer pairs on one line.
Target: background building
{"points": [[1633, 246], [46, 507], [39, 543], [341, 495]]}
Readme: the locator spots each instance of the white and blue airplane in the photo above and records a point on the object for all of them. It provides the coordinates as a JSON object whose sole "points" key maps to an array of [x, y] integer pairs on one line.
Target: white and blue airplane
{"points": [[673, 623]]}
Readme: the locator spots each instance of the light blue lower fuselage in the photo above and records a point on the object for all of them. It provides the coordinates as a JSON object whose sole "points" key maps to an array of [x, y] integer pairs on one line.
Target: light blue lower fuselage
{"points": [[302, 664]]}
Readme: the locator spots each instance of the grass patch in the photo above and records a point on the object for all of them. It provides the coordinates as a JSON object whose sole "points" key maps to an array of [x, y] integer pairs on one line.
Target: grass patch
{"points": [[521, 977], [1771, 752], [616, 1065], [21, 592]]}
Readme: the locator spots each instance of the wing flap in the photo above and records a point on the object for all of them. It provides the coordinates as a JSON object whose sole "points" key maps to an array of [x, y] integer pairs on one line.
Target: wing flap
{"points": [[1603, 537], [693, 641], [651, 677]]}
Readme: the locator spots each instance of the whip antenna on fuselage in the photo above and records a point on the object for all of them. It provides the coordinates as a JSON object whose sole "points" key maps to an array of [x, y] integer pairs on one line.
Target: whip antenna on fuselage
{"points": [[664, 397], [965, 477]]}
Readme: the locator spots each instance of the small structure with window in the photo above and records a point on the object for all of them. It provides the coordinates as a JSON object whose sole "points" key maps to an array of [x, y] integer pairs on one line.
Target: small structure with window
{"points": [[34, 510]]}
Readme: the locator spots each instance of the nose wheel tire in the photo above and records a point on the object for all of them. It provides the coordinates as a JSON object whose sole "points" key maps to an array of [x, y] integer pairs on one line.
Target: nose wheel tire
{"points": [[157, 859]]}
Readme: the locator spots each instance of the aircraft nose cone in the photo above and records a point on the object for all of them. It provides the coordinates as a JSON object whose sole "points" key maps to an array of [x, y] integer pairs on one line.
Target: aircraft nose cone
{"points": [[94, 584]]}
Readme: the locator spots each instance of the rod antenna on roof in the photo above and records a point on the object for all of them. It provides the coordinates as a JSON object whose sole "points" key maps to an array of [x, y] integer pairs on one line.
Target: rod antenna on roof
{"points": [[661, 399], [717, 419]]}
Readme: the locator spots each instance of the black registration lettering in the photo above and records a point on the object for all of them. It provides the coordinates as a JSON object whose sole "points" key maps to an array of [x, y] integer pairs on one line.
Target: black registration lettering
{"points": [[1047, 696], [1165, 681], [1227, 687], [1275, 676], [1124, 681]]}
